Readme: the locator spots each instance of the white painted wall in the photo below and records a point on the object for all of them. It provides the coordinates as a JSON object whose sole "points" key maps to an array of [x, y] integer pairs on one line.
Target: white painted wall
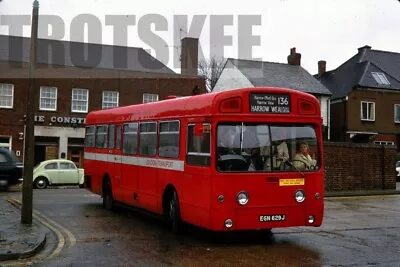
{"points": [[231, 78], [324, 102], [63, 133]]}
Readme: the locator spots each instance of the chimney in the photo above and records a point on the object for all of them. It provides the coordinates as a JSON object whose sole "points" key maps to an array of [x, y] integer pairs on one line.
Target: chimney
{"points": [[294, 58], [364, 48], [321, 67], [189, 56]]}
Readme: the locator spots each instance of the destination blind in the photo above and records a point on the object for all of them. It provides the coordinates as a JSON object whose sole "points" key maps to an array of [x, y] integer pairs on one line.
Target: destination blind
{"points": [[269, 103]]}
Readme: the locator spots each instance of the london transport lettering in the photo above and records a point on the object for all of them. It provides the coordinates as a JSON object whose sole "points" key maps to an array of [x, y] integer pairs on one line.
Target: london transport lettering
{"points": [[269, 103]]}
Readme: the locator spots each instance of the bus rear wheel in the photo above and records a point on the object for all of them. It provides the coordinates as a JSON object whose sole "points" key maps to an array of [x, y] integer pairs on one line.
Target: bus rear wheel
{"points": [[174, 214]]}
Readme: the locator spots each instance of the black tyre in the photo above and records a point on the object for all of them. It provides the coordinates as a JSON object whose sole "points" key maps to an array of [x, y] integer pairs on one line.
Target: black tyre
{"points": [[4, 185], [108, 200], [174, 214], [41, 183]]}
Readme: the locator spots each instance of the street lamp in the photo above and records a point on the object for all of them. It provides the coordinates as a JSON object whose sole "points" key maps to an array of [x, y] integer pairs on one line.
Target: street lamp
{"points": [[27, 189]]}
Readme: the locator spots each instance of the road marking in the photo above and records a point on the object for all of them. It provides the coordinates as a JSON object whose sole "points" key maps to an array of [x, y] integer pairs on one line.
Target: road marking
{"points": [[52, 225], [362, 197], [71, 237]]}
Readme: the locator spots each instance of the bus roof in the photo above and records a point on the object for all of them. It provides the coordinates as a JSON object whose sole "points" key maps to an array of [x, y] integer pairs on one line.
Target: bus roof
{"points": [[198, 105]]}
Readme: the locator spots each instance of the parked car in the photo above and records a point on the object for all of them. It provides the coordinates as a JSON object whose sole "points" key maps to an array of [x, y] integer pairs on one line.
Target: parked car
{"points": [[11, 169], [57, 172], [398, 171]]}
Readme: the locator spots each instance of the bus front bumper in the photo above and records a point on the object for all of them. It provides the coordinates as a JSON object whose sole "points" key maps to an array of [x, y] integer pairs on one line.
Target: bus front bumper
{"points": [[248, 218]]}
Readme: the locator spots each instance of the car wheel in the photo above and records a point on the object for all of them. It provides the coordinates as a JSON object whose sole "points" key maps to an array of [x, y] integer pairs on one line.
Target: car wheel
{"points": [[175, 214], [4, 185], [41, 183]]}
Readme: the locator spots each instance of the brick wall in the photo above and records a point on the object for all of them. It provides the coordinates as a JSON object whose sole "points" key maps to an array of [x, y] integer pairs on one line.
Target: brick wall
{"points": [[350, 166]]}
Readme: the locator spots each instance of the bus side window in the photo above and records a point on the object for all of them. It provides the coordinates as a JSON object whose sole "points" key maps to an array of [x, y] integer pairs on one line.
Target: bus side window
{"points": [[198, 147], [118, 137], [130, 138], [90, 136], [148, 139], [111, 136], [101, 136], [169, 139]]}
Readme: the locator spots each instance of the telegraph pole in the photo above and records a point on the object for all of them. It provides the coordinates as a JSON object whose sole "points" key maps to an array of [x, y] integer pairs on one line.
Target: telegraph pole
{"points": [[27, 189]]}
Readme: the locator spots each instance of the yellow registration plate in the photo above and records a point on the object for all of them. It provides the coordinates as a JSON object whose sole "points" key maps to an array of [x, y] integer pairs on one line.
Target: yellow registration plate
{"points": [[290, 182]]}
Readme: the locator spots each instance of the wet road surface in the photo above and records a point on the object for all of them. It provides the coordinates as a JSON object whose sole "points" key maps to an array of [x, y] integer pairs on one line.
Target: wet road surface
{"points": [[358, 231]]}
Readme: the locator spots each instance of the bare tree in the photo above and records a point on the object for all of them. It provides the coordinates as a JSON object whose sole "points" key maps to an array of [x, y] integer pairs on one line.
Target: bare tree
{"points": [[211, 69]]}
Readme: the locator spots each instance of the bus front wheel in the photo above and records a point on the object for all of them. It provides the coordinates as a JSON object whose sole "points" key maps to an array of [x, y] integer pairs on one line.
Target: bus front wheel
{"points": [[175, 214], [108, 201]]}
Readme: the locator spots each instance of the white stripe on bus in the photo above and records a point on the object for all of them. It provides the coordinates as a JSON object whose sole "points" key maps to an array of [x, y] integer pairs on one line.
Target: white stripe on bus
{"points": [[176, 165]]}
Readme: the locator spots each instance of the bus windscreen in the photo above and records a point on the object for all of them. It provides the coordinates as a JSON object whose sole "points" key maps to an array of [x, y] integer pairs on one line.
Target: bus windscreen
{"points": [[260, 147]]}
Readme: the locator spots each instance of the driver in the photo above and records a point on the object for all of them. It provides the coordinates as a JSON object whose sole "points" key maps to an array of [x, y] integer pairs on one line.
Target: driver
{"points": [[302, 160]]}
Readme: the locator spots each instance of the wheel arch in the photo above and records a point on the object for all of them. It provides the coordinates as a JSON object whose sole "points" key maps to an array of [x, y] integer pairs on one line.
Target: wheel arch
{"points": [[166, 197]]}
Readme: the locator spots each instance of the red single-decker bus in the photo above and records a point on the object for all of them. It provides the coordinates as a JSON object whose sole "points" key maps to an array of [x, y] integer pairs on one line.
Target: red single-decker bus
{"points": [[242, 159]]}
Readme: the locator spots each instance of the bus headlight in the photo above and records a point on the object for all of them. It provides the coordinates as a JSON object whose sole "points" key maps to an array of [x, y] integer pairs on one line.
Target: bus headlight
{"points": [[242, 198], [300, 196]]}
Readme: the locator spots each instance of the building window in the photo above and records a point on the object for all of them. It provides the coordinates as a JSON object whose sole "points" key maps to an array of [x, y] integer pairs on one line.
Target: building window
{"points": [[48, 98], [110, 99], [80, 100], [367, 111], [150, 98], [6, 95], [383, 143], [5, 142], [397, 113], [380, 78]]}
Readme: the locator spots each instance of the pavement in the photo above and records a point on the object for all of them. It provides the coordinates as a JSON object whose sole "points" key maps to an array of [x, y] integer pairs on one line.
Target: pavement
{"points": [[19, 241]]}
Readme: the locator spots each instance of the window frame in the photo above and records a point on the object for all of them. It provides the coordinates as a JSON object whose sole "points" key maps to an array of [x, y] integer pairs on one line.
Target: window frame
{"points": [[160, 133], [72, 100], [111, 136], [200, 154], [394, 111], [106, 136], [149, 94], [12, 95], [103, 101], [374, 111], [94, 134], [383, 142], [9, 146], [148, 133], [132, 133], [40, 98], [380, 78], [118, 136]]}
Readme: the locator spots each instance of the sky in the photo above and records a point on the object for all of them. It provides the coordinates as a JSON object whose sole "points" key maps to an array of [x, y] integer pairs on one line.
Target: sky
{"points": [[330, 30]]}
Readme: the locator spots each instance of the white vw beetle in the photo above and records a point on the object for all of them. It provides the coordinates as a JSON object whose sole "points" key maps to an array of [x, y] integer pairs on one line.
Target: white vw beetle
{"points": [[57, 172]]}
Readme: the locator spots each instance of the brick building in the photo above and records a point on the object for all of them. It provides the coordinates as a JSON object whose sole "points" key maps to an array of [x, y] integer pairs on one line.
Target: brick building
{"points": [[70, 82]]}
